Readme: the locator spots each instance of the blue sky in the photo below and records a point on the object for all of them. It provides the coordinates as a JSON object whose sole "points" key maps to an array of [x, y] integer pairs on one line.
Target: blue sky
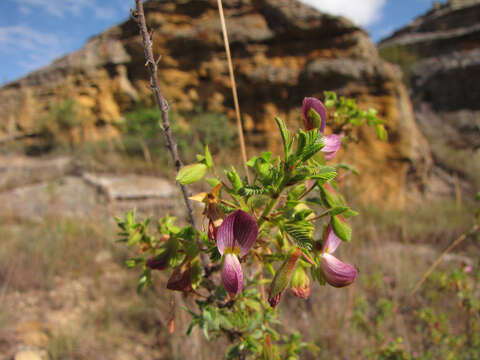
{"points": [[34, 32]]}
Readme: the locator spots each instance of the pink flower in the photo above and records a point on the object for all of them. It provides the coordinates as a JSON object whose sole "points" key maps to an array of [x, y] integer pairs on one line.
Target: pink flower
{"points": [[315, 116], [332, 145], [335, 272], [235, 236]]}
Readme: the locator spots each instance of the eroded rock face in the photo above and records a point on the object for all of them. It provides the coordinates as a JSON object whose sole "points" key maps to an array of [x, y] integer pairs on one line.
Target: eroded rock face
{"points": [[282, 51], [444, 46]]}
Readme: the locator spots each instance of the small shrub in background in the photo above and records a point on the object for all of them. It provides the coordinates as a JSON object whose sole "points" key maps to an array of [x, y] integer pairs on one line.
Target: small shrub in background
{"points": [[141, 133], [56, 128], [402, 57]]}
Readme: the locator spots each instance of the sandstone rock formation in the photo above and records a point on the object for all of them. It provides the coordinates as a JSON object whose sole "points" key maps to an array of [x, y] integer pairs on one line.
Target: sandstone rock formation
{"points": [[441, 53], [282, 51]]}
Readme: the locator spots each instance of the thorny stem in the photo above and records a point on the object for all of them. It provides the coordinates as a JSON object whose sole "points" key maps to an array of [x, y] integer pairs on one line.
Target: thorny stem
{"points": [[162, 104]]}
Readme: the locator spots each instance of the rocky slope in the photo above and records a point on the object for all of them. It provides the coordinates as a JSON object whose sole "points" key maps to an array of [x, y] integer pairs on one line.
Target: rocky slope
{"points": [[441, 53], [282, 51]]}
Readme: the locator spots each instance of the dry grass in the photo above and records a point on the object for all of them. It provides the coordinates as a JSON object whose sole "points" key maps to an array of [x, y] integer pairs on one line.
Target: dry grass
{"points": [[71, 269]]}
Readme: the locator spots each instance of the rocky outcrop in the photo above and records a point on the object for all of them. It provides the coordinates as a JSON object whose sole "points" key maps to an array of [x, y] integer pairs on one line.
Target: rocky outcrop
{"points": [[441, 51], [282, 51]]}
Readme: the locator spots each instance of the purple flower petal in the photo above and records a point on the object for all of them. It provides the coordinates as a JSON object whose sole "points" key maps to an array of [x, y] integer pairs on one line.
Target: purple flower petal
{"points": [[332, 145], [337, 273], [232, 275], [317, 105], [331, 241], [238, 231]]}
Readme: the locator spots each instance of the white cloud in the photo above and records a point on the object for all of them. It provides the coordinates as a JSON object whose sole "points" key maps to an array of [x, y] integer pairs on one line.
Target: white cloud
{"points": [[62, 8], [362, 12], [36, 48]]}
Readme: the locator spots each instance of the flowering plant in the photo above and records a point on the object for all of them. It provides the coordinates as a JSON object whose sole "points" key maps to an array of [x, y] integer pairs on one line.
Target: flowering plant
{"points": [[277, 231]]}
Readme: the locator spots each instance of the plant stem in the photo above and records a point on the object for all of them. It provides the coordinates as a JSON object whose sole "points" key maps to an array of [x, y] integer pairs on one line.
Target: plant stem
{"points": [[457, 241], [234, 90], [151, 64], [322, 214], [271, 204]]}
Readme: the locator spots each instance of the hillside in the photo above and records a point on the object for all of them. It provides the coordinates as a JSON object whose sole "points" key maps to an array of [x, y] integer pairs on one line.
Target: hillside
{"points": [[440, 54], [282, 51]]}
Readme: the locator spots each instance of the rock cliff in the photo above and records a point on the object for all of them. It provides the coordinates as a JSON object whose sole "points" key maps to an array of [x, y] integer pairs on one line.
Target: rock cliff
{"points": [[440, 52], [282, 51]]}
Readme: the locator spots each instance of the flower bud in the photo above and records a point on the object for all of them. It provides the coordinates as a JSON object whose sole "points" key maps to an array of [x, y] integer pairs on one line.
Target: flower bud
{"points": [[300, 284], [191, 173], [282, 277], [314, 114]]}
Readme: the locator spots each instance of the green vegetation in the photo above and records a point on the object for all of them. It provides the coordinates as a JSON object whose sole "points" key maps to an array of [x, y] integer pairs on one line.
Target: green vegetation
{"points": [[399, 55], [56, 128], [142, 135]]}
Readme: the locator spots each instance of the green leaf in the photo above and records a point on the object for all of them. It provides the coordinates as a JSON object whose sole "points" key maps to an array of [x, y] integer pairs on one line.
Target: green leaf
{"points": [[381, 132], [349, 213], [252, 161], [301, 142], [144, 280], [301, 233], [191, 173], [338, 210], [214, 254], [330, 196], [252, 304], [318, 275], [299, 174], [234, 179], [286, 137], [315, 116], [212, 182], [130, 263], [308, 144], [325, 173], [250, 190], [195, 273], [208, 158], [135, 237], [297, 191], [348, 167], [341, 228]]}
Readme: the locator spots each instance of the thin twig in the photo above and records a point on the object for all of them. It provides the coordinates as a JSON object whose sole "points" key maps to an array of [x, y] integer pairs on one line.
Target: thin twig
{"points": [[151, 64], [234, 89], [457, 241]]}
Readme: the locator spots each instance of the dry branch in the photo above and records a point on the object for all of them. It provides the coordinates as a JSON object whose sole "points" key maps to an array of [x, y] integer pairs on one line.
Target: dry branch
{"points": [[151, 64]]}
